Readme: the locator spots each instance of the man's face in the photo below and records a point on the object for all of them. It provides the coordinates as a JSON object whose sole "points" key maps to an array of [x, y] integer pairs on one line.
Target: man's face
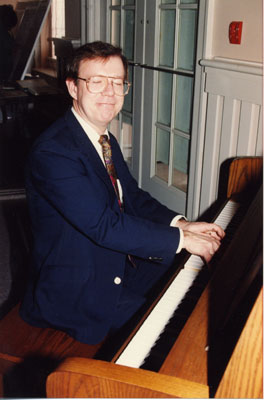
{"points": [[98, 109]]}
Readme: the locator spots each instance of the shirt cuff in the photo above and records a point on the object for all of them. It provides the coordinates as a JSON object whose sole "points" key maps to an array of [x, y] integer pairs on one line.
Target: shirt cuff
{"points": [[176, 219], [173, 223]]}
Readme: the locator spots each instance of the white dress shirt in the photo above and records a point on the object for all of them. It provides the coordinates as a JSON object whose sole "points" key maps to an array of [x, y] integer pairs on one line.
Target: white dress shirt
{"points": [[94, 137]]}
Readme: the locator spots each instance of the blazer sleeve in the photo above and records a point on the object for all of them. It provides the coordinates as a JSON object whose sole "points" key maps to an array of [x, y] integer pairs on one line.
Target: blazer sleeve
{"points": [[73, 188]]}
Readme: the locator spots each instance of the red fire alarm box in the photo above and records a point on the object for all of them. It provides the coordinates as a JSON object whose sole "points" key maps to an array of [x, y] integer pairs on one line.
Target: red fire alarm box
{"points": [[235, 32]]}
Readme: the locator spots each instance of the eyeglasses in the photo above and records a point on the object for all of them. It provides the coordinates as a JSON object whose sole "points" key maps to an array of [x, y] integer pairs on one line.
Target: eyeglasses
{"points": [[97, 84]]}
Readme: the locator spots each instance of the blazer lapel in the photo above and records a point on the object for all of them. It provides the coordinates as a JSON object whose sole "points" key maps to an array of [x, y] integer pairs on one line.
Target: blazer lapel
{"points": [[86, 147], [117, 156]]}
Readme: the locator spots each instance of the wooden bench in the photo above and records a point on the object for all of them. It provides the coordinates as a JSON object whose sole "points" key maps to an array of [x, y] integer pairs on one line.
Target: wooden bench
{"points": [[27, 354]]}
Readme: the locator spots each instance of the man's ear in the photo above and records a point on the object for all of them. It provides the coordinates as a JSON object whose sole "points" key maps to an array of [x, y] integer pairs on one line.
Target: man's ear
{"points": [[72, 88]]}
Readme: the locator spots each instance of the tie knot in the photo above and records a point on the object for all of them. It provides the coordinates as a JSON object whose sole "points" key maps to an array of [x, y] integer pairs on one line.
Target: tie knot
{"points": [[103, 139]]}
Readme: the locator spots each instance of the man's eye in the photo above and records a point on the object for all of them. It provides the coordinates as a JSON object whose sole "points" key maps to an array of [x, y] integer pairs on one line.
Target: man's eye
{"points": [[118, 83], [96, 80]]}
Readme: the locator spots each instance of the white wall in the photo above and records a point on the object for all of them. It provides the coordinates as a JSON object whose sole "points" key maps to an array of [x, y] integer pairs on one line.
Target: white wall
{"points": [[221, 13]]}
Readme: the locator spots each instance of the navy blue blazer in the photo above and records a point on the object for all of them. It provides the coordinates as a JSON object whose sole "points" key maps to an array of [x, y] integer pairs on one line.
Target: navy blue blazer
{"points": [[81, 239]]}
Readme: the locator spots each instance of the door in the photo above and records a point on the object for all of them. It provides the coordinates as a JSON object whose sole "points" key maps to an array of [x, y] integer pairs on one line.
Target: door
{"points": [[168, 98], [154, 129]]}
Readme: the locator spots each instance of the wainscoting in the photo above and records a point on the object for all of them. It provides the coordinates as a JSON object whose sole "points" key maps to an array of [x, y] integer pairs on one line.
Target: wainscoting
{"points": [[233, 119]]}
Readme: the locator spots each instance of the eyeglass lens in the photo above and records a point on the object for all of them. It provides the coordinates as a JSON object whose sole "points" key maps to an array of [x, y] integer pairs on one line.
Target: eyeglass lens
{"points": [[97, 84]]}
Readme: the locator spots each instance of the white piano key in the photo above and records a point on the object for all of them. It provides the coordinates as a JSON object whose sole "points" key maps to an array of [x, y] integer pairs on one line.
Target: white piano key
{"points": [[156, 321], [194, 262], [223, 220]]}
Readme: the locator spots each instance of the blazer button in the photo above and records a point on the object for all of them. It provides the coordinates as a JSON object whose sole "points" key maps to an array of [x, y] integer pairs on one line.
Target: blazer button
{"points": [[117, 280], [155, 258]]}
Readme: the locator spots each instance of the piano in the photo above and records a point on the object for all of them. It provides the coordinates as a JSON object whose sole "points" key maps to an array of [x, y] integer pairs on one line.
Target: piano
{"points": [[201, 336]]}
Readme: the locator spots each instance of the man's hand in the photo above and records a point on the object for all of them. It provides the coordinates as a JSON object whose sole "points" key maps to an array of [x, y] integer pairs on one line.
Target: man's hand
{"points": [[201, 238]]}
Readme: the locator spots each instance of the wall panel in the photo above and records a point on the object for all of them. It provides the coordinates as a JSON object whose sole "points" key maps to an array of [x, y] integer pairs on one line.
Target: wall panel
{"points": [[233, 122]]}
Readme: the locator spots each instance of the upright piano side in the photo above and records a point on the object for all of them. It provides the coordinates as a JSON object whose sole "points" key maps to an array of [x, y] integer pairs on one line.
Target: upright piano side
{"points": [[243, 377]]}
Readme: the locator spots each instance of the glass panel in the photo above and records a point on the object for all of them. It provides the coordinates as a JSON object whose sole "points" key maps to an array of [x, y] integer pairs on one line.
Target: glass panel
{"points": [[168, 1], [162, 154], [180, 162], [183, 110], [128, 102], [129, 2], [188, 1], [127, 138], [167, 32], [116, 2], [164, 98], [129, 34], [115, 28], [187, 39]]}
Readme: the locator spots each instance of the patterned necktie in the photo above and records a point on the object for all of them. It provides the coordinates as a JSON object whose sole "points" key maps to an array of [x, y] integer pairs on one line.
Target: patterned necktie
{"points": [[107, 154]]}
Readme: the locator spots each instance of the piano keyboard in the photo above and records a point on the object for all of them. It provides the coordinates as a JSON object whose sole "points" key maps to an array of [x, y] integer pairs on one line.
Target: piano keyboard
{"points": [[148, 334]]}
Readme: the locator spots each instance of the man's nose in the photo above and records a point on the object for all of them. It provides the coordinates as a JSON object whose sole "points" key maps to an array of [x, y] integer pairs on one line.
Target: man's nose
{"points": [[109, 88]]}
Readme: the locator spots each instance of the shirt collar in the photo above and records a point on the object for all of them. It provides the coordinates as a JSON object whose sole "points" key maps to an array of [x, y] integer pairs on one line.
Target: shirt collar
{"points": [[91, 133]]}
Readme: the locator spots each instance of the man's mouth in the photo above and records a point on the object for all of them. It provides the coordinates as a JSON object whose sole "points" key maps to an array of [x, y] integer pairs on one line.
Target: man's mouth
{"points": [[107, 104]]}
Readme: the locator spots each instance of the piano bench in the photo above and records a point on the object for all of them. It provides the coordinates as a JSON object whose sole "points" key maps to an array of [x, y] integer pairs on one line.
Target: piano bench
{"points": [[29, 354], [88, 378]]}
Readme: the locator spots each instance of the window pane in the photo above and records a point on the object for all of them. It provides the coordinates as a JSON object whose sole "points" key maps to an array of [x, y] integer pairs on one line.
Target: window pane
{"points": [[115, 28], [162, 154], [187, 39], [116, 2], [129, 34], [167, 30], [168, 1], [164, 98], [183, 110], [127, 138], [129, 2], [58, 19], [180, 162], [188, 1]]}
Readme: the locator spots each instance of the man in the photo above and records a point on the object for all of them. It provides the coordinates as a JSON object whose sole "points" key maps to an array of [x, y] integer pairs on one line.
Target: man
{"points": [[99, 245]]}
